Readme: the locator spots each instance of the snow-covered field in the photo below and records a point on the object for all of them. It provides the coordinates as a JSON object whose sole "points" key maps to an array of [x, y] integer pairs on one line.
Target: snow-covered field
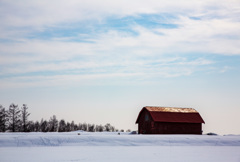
{"points": [[109, 146]]}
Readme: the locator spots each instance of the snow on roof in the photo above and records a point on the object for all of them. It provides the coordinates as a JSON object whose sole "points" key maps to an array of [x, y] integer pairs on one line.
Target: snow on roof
{"points": [[171, 109]]}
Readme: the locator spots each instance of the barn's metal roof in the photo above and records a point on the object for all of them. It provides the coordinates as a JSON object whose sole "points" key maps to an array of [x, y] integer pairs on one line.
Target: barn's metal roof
{"points": [[172, 114], [171, 109]]}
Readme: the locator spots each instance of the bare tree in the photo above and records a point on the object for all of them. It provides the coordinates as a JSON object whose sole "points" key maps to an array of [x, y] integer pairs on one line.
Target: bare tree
{"points": [[25, 115], [14, 118], [17, 120]]}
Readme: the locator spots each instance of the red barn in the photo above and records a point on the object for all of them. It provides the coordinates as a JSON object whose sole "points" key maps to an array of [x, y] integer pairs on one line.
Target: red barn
{"points": [[169, 120]]}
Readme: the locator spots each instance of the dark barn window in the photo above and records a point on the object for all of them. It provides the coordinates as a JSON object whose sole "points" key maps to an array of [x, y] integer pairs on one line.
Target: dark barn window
{"points": [[146, 117]]}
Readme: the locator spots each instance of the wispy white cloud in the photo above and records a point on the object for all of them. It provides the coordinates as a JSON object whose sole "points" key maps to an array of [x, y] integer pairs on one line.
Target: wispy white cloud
{"points": [[224, 69], [39, 15], [98, 71], [139, 50]]}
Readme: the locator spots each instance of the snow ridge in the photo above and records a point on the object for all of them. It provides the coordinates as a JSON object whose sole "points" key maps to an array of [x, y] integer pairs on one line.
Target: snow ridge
{"points": [[112, 139]]}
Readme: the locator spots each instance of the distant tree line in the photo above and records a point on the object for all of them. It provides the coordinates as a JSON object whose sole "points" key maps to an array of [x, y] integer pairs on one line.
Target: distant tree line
{"points": [[15, 119]]}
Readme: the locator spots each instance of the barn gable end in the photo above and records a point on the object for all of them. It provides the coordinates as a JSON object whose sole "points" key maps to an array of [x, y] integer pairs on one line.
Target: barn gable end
{"points": [[169, 120]]}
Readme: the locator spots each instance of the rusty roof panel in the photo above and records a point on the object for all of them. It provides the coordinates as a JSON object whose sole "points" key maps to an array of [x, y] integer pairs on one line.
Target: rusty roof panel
{"points": [[171, 109]]}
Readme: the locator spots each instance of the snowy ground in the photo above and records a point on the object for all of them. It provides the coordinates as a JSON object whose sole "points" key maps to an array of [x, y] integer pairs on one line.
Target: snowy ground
{"points": [[113, 147]]}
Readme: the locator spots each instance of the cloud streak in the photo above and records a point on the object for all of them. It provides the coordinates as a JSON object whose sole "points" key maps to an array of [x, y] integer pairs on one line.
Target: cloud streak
{"points": [[90, 40]]}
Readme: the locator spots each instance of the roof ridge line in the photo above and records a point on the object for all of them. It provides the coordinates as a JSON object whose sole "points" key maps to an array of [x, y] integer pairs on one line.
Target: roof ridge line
{"points": [[171, 107]]}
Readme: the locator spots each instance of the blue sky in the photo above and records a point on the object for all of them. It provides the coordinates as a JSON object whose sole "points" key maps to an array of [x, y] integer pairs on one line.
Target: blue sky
{"points": [[101, 62]]}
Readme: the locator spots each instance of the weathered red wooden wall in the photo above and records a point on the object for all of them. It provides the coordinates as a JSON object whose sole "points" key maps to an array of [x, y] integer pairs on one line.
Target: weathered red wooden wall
{"points": [[144, 126], [176, 128], [148, 126]]}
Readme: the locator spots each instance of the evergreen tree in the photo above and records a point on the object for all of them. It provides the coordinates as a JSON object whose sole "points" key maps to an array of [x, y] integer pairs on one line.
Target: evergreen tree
{"points": [[17, 120], [84, 127], [68, 127], [99, 128], [14, 116], [80, 126], [37, 126], [53, 124], [75, 127], [113, 129], [25, 115], [108, 127], [62, 126], [44, 126], [72, 126], [3, 119], [91, 127], [31, 126]]}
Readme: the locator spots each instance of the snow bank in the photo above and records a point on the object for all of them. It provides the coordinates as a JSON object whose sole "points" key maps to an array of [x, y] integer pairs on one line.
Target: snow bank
{"points": [[108, 147], [121, 154], [112, 139]]}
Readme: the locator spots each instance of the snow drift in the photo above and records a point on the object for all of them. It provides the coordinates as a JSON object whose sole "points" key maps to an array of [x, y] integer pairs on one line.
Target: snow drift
{"points": [[112, 139], [109, 147]]}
